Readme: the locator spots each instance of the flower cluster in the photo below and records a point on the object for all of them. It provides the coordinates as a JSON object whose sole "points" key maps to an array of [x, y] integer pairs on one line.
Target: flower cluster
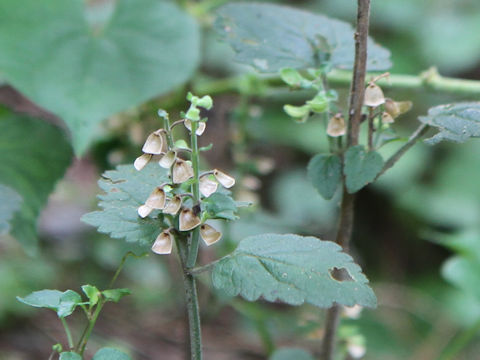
{"points": [[179, 199]]}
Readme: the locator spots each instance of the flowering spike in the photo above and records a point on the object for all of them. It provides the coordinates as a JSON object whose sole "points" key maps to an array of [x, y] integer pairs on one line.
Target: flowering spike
{"points": [[142, 161], [374, 95], [168, 159], [156, 199], [209, 234], [188, 220], [226, 180], [207, 186], [173, 205], [200, 129], [163, 243], [144, 211], [336, 126], [182, 171], [156, 143]]}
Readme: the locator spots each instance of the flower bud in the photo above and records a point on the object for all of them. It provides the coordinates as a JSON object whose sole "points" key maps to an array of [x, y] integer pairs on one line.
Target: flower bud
{"points": [[188, 220], [226, 180], [206, 102], [142, 161], [163, 243], [201, 125], [373, 95], [168, 159], [193, 114], [387, 118], [397, 108], [156, 143], [173, 205], [182, 171], [156, 199], [336, 126], [144, 211], [209, 234]]}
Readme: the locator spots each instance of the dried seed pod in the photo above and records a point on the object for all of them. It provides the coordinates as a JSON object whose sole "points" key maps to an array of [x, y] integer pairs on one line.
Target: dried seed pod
{"points": [[225, 180], [142, 161], [207, 186], [182, 171], [144, 211], [168, 159], [163, 243], [336, 126], [201, 126], [373, 95], [188, 220], [156, 200], [209, 234], [156, 143], [387, 118], [173, 205], [397, 108]]}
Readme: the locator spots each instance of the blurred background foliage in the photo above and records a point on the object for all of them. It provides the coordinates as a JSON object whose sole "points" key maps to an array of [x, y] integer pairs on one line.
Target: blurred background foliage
{"points": [[417, 232]]}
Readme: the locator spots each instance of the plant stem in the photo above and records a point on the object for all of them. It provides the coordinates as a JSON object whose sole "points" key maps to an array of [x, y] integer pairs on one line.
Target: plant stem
{"points": [[201, 269], [91, 325], [371, 128], [348, 200], [460, 341], [193, 247], [67, 331]]}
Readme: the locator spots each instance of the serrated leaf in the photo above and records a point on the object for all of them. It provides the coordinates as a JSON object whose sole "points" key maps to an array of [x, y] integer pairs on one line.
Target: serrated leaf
{"points": [[271, 37], [64, 303], [34, 156], [110, 354], [325, 174], [115, 294], [125, 190], [361, 167], [292, 269], [84, 73], [10, 202], [291, 354], [456, 122], [93, 294], [220, 206], [70, 356]]}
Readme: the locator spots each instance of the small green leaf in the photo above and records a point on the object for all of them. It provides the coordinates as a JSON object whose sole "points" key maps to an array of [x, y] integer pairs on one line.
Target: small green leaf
{"points": [[49, 299], [291, 354], [10, 202], [70, 356], [115, 294], [68, 302], [361, 167], [220, 206], [319, 103], [93, 294], [325, 173], [271, 37], [110, 354], [297, 112], [455, 122], [292, 269], [291, 77]]}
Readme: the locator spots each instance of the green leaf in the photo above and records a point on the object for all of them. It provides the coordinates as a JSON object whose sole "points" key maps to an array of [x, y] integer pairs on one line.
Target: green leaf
{"points": [[292, 269], [361, 167], [70, 356], [34, 156], [10, 202], [220, 206], [115, 294], [464, 273], [84, 73], [110, 354], [125, 190], [455, 122], [93, 294], [68, 302], [271, 37], [63, 303], [325, 173], [291, 354], [292, 77]]}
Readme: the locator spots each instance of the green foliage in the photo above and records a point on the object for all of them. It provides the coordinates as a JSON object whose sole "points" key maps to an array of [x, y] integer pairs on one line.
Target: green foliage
{"points": [[361, 167], [85, 73], [287, 37], [220, 206], [64, 303], [110, 354], [9, 203], [125, 190], [455, 122], [292, 269], [325, 173], [115, 294], [290, 354], [70, 356], [34, 155], [92, 293]]}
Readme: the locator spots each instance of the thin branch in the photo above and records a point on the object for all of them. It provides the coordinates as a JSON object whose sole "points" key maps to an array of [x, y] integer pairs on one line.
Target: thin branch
{"points": [[201, 269]]}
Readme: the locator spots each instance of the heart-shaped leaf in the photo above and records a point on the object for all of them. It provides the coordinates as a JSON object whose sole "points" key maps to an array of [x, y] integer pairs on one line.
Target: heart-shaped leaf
{"points": [[110, 354], [85, 73], [292, 269], [361, 167], [325, 173], [271, 37], [456, 122]]}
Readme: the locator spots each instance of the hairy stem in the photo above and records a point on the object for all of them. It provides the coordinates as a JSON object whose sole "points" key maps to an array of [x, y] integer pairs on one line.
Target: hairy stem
{"points": [[193, 247], [348, 200]]}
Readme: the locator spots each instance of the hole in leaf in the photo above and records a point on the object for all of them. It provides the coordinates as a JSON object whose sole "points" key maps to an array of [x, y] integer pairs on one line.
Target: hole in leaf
{"points": [[341, 274]]}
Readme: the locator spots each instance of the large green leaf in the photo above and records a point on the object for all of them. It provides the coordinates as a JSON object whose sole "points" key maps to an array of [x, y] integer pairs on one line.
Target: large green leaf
{"points": [[125, 190], [361, 167], [291, 354], [9, 203], [64, 303], [271, 37], [325, 174], [455, 122], [85, 73], [34, 155], [292, 269], [110, 354]]}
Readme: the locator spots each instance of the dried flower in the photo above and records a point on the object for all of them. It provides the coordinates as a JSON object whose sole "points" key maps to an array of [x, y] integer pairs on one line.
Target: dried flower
{"points": [[156, 200], [168, 159], [156, 143], [397, 108], [173, 205], [201, 126], [209, 234], [182, 171], [387, 118], [207, 186], [336, 126], [163, 243], [226, 180], [374, 95], [144, 211], [188, 220], [142, 161]]}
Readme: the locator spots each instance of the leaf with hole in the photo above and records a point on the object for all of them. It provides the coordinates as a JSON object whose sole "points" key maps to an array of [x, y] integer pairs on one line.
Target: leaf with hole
{"points": [[86, 72], [271, 37], [361, 167], [325, 174], [292, 269], [456, 122]]}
